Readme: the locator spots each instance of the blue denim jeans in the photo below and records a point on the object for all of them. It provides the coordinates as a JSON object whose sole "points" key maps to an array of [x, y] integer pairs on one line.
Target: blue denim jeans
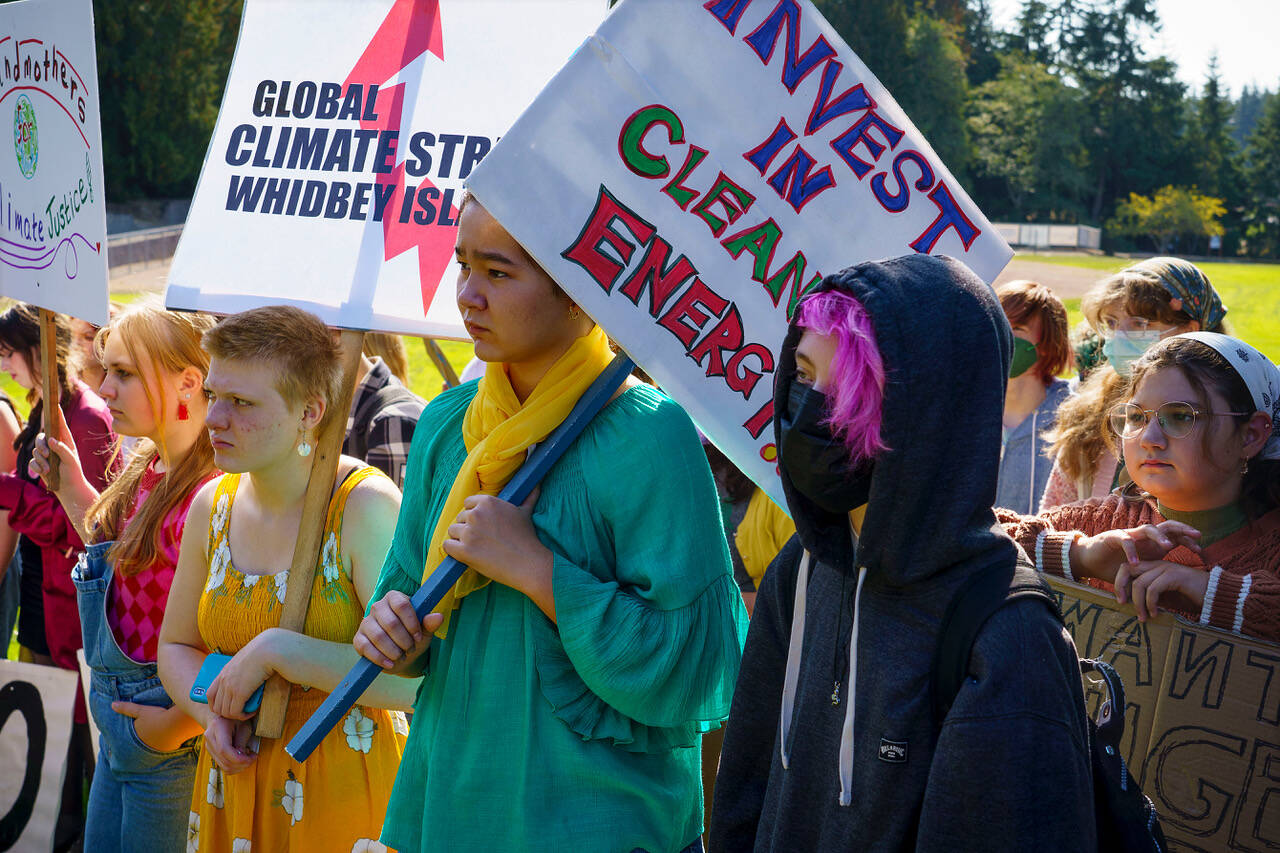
{"points": [[141, 798]]}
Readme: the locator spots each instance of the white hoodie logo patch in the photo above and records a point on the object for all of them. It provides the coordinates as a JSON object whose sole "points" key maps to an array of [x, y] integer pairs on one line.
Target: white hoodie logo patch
{"points": [[893, 751]]}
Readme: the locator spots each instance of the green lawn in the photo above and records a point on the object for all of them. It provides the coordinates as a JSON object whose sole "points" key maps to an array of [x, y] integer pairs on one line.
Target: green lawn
{"points": [[1251, 293]]}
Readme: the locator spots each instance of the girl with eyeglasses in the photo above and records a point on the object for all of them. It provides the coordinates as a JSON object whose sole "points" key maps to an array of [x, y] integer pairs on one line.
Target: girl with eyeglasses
{"points": [[1131, 311], [1197, 531]]}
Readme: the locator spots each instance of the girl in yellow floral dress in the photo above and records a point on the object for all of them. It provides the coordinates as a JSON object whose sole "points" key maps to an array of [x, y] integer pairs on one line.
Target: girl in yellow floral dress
{"points": [[271, 375]]}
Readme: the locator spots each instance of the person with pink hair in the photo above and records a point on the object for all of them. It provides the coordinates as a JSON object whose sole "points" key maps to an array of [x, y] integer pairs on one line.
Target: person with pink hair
{"points": [[887, 413]]}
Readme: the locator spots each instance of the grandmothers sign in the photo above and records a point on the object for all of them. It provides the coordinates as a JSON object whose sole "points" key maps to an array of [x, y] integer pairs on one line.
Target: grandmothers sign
{"points": [[53, 223]]}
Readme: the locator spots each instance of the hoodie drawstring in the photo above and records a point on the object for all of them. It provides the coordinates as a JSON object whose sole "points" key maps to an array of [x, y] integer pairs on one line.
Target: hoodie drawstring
{"points": [[794, 651], [846, 736], [793, 657]]}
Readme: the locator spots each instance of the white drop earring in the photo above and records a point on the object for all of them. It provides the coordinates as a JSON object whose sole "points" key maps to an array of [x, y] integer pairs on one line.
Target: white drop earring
{"points": [[304, 447]]}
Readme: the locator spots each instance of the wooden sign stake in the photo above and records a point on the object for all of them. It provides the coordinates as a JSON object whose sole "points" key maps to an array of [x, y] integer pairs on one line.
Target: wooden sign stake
{"points": [[50, 391], [306, 550], [442, 364]]}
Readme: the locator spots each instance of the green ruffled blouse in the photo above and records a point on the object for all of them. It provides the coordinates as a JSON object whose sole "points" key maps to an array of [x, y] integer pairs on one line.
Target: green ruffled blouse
{"points": [[528, 736]]}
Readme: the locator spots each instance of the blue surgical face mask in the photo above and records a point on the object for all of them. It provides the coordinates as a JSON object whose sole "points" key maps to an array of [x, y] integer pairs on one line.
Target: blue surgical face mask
{"points": [[1123, 348]]}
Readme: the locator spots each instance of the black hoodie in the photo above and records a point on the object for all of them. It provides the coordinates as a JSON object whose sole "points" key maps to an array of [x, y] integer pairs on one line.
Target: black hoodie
{"points": [[1008, 769]]}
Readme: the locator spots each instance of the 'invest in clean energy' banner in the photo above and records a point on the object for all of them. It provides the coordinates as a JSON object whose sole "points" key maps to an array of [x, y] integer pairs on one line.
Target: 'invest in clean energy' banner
{"points": [[695, 168], [53, 222], [346, 131]]}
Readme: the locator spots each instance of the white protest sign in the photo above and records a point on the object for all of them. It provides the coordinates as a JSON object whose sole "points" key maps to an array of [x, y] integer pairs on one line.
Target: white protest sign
{"points": [[346, 130], [53, 220], [35, 727], [695, 168]]}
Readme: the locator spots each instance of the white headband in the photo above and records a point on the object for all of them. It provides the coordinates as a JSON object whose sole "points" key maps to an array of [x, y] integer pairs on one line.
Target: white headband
{"points": [[1257, 371]]}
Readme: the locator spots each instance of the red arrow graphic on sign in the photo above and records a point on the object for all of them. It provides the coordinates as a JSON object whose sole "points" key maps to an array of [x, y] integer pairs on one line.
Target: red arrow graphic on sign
{"points": [[410, 29]]}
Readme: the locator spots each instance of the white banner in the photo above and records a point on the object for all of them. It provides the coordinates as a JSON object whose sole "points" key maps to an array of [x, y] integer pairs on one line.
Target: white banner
{"points": [[346, 131], [53, 220], [695, 168], [35, 727]]}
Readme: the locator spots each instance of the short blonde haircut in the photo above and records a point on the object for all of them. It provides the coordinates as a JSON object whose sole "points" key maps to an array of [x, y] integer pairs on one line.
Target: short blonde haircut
{"points": [[301, 348]]}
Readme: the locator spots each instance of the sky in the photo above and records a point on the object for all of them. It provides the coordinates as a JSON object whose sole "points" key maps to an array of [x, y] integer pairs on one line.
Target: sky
{"points": [[1244, 33]]}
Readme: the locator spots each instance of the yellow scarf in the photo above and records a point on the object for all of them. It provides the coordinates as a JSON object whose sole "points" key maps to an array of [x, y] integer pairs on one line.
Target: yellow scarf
{"points": [[498, 430]]}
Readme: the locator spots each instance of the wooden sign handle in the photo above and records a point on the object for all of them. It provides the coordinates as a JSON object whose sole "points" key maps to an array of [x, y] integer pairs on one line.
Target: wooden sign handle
{"points": [[442, 364], [306, 550], [50, 391]]}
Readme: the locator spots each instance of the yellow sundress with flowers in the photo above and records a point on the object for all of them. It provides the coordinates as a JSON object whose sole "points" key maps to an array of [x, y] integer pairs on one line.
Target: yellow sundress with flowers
{"points": [[338, 798]]}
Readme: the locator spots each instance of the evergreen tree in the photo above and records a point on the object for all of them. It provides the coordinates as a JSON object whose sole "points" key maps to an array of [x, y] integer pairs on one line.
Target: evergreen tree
{"points": [[162, 66], [1247, 112], [877, 32], [938, 90], [982, 43], [1028, 152], [1262, 159], [1215, 162]]}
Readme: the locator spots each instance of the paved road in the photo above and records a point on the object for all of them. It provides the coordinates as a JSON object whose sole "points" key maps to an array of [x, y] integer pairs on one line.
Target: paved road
{"points": [[138, 277], [1066, 282]]}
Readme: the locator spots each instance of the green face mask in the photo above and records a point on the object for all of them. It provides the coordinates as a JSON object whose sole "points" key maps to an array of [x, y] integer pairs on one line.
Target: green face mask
{"points": [[1024, 356]]}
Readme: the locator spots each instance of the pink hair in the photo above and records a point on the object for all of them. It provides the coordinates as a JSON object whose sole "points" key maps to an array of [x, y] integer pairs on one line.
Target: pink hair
{"points": [[856, 389]]}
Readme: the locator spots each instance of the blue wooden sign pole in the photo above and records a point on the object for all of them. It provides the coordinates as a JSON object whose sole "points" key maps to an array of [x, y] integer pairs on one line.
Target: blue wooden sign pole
{"points": [[339, 702]]}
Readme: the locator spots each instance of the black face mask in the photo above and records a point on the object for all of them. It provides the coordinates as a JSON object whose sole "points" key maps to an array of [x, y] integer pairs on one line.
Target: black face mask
{"points": [[816, 463]]}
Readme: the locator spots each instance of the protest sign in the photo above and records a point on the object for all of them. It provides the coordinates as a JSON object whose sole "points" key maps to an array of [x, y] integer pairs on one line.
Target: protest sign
{"points": [[53, 223], [695, 168], [1202, 719], [35, 729], [346, 130]]}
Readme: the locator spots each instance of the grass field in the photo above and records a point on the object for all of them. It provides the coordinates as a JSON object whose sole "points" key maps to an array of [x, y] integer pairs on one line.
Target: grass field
{"points": [[1251, 293]]}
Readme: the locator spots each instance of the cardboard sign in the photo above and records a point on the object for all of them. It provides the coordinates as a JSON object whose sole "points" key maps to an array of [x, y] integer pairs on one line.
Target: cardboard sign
{"points": [[346, 130], [695, 168], [53, 220], [35, 728], [1202, 719]]}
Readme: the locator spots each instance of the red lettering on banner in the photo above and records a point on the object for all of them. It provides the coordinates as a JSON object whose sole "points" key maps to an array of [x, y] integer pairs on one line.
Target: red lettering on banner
{"points": [[690, 306], [598, 232]]}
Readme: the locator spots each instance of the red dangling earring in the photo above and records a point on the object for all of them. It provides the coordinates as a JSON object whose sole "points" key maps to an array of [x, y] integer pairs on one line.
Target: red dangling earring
{"points": [[183, 414]]}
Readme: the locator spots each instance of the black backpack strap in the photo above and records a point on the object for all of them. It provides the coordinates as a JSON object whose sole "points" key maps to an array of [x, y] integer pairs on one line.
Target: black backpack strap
{"points": [[1110, 722], [974, 602]]}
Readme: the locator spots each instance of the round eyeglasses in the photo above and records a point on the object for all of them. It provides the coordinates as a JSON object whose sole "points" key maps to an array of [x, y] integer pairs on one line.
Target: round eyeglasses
{"points": [[1176, 420]]}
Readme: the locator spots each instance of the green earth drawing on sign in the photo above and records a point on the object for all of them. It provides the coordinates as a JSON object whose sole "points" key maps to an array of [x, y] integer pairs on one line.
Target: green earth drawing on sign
{"points": [[24, 136]]}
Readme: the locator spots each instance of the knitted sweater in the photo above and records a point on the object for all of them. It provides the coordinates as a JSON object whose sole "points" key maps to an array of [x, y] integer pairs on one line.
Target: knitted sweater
{"points": [[1244, 568]]}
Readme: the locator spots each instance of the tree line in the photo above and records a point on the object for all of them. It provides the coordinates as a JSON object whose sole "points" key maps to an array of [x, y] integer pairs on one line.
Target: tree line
{"points": [[1061, 116]]}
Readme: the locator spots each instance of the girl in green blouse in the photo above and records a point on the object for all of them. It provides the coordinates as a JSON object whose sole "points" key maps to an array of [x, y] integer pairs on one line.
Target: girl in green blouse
{"points": [[598, 633]]}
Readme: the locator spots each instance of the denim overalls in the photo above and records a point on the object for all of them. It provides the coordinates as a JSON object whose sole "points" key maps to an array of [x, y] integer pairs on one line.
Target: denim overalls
{"points": [[141, 798]]}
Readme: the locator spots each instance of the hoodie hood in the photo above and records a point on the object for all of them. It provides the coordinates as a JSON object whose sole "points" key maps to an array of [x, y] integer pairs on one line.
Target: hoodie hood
{"points": [[946, 347]]}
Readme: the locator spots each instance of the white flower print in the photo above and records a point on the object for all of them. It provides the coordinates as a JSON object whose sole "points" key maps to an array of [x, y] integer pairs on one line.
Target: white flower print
{"points": [[214, 790], [368, 845], [399, 724], [291, 801], [218, 566], [249, 580], [359, 730], [282, 585], [330, 560], [193, 833], [241, 845], [220, 512]]}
